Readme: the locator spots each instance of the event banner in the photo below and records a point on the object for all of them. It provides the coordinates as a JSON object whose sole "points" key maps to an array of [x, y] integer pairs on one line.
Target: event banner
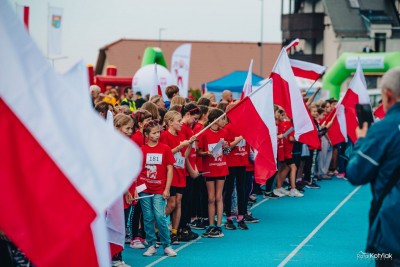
{"points": [[180, 68]]}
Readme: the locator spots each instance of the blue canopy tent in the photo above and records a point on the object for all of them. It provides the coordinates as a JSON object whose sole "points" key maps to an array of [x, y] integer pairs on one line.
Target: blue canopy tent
{"points": [[233, 82]]}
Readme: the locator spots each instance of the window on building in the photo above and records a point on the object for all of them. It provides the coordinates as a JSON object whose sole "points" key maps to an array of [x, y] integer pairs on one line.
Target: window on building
{"points": [[354, 4], [380, 42]]}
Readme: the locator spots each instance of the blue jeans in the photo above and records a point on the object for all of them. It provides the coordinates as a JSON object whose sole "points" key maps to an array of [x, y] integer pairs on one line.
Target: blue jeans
{"points": [[154, 209]]}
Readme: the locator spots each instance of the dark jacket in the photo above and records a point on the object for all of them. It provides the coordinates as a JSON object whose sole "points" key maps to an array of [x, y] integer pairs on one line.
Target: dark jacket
{"points": [[373, 161]]}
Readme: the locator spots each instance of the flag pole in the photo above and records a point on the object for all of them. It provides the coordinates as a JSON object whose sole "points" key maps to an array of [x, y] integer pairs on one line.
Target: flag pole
{"points": [[208, 126], [308, 90]]}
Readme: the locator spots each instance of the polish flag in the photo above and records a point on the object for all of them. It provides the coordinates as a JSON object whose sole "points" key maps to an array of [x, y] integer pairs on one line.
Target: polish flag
{"points": [[248, 83], [287, 95], [204, 88], [307, 70], [379, 112], [156, 87], [337, 133], [23, 14], [56, 181], [294, 43], [356, 94], [257, 110]]}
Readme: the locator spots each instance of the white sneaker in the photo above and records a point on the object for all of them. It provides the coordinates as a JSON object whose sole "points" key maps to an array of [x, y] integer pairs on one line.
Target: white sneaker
{"points": [[295, 193], [150, 251], [283, 191], [168, 251], [278, 193], [119, 264], [137, 244]]}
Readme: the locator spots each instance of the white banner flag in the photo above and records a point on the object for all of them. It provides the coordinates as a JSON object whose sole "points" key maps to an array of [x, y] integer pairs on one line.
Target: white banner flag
{"points": [[180, 68], [54, 31]]}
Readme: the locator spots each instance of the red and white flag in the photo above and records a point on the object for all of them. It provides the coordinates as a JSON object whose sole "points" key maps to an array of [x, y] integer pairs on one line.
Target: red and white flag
{"points": [[23, 14], [356, 94], [257, 111], [294, 43], [180, 66], [287, 95], [337, 133], [204, 89], [56, 181], [379, 112], [307, 70], [156, 87], [248, 84]]}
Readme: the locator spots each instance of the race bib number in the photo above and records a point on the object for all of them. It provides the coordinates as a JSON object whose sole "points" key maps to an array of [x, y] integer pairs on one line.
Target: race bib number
{"points": [[179, 160], [154, 158]]}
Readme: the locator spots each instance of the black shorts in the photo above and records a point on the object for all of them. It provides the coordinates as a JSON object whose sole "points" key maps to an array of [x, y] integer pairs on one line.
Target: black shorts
{"points": [[288, 161], [175, 190], [212, 179]]}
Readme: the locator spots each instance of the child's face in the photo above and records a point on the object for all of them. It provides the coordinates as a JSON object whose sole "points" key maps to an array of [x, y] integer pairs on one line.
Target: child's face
{"points": [[176, 123], [192, 118], [221, 122], [314, 113], [127, 129], [154, 134]]}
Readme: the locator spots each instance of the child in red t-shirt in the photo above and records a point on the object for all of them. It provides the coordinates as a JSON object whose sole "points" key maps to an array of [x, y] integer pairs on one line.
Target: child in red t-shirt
{"points": [[140, 118], [180, 149], [157, 176], [215, 168]]}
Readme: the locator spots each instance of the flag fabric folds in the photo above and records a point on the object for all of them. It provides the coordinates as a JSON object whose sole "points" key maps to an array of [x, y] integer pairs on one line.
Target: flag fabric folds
{"points": [[356, 94], [287, 95], [337, 133], [294, 43], [253, 118], [379, 112], [56, 180], [248, 84], [54, 26], [180, 66], [307, 70]]}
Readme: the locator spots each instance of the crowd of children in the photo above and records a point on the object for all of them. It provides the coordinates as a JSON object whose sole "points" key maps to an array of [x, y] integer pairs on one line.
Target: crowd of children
{"points": [[197, 168]]}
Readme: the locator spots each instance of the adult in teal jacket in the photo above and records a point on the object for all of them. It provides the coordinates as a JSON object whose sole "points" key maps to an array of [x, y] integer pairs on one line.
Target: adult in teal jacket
{"points": [[375, 157]]}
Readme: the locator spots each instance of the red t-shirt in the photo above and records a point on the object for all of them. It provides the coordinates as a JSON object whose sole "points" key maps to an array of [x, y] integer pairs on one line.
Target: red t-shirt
{"points": [[199, 160], [154, 172], [188, 133], [138, 138], [217, 166], [238, 156], [287, 144], [250, 164], [179, 178]]}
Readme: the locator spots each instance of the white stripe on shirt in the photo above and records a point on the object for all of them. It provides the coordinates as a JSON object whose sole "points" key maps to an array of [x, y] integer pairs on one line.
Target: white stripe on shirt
{"points": [[368, 158]]}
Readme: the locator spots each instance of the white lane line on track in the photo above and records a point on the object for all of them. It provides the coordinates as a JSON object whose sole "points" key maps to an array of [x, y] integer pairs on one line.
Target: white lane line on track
{"points": [[316, 229], [195, 241]]}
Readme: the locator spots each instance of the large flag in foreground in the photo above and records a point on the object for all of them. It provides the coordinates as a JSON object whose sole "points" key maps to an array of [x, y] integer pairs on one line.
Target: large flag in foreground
{"points": [[248, 84], [180, 66], [253, 118], [307, 70], [287, 94], [356, 94], [56, 180], [23, 14]]}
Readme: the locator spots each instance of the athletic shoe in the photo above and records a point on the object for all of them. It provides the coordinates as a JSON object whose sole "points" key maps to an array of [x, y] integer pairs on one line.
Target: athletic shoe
{"points": [[313, 185], [295, 193], [341, 176], [197, 224], [300, 188], [242, 225], [119, 264], [282, 191], [325, 177], [158, 241], [150, 251], [253, 198], [137, 244], [270, 195], [128, 240], [174, 240], [216, 232], [186, 235], [168, 251], [278, 193], [207, 233], [250, 219], [229, 225]]}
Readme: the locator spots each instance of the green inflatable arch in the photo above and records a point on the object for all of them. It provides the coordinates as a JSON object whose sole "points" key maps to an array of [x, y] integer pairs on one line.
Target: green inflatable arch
{"points": [[153, 55], [347, 64]]}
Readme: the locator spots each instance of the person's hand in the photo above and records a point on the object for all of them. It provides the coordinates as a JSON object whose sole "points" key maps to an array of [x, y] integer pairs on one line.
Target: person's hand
{"points": [[280, 136], [128, 198], [136, 195], [185, 143], [192, 139], [361, 133], [165, 194]]}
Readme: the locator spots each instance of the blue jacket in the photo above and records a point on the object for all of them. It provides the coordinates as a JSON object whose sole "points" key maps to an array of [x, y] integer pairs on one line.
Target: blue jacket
{"points": [[373, 161]]}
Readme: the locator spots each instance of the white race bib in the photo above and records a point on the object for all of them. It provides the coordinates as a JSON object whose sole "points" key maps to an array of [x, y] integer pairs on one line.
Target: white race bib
{"points": [[179, 160], [154, 158]]}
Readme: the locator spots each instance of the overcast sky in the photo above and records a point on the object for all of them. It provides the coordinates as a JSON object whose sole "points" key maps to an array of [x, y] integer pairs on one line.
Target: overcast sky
{"points": [[91, 24]]}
